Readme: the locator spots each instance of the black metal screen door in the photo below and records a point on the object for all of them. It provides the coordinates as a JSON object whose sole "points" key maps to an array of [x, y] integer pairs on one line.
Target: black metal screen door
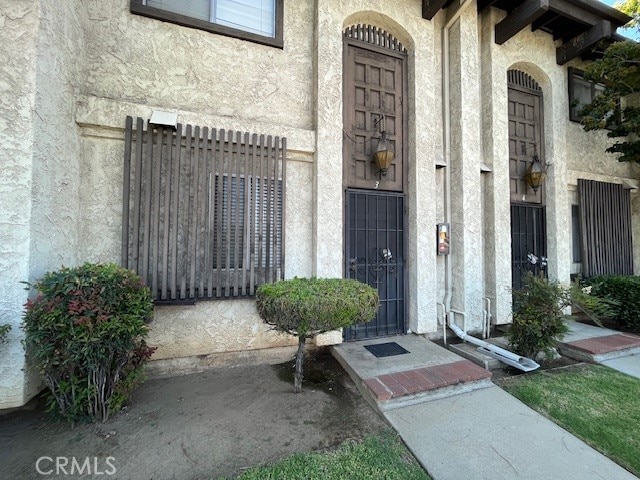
{"points": [[528, 241], [375, 256]]}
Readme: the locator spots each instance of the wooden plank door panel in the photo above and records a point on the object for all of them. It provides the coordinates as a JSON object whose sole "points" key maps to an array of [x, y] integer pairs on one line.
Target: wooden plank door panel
{"points": [[373, 101], [525, 141]]}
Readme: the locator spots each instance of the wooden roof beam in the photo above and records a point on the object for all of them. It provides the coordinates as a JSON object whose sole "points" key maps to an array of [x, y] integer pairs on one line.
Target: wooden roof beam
{"points": [[482, 4], [528, 12], [573, 12], [431, 7], [583, 42], [544, 21]]}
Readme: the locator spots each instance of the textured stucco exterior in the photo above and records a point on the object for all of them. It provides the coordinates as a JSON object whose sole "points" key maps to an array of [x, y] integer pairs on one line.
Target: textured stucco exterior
{"points": [[42, 55], [74, 70]]}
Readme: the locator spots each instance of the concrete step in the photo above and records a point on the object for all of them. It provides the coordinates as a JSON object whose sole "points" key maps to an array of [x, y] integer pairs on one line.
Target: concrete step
{"points": [[470, 352], [601, 348], [426, 372]]}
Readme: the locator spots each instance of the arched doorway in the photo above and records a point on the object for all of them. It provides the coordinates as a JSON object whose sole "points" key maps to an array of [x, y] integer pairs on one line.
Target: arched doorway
{"points": [[526, 145], [375, 86]]}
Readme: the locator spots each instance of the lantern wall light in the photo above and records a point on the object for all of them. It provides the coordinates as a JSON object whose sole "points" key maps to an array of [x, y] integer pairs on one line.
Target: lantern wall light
{"points": [[383, 155], [536, 172]]}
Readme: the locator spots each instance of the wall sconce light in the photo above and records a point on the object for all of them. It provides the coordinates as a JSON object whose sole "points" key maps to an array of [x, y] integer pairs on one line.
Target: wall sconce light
{"points": [[383, 155], [535, 174]]}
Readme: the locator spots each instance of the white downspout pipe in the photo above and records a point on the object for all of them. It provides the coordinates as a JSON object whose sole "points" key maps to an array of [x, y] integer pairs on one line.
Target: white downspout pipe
{"points": [[446, 109], [498, 353]]}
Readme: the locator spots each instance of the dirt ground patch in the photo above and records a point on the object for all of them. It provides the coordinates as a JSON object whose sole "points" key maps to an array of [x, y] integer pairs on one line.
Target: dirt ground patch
{"points": [[205, 425]]}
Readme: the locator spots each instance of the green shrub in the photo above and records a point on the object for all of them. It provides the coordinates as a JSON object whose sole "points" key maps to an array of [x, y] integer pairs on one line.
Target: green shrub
{"points": [[85, 333], [306, 307], [538, 320], [624, 293], [4, 331], [595, 307]]}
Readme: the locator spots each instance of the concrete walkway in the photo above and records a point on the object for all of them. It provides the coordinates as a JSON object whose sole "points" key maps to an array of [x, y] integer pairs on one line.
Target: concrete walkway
{"points": [[470, 428]]}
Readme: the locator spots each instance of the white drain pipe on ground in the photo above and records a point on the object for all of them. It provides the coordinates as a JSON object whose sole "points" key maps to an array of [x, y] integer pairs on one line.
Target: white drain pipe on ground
{"points": [[521, 363]]}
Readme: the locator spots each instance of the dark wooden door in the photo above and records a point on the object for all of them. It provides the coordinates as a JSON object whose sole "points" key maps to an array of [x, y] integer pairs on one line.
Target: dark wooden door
{"points": [[374, 90], [375, 256], [525, 142], [528, 216]]}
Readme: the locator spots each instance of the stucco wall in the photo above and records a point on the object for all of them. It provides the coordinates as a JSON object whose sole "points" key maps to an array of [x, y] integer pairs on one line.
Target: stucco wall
{"points": [[42, 45], [57, 155], [18, 20], [147, 61]]}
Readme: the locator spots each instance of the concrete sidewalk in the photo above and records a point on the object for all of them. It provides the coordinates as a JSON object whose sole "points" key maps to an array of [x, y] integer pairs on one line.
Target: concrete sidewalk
{"points": [[488, 434], [469, 428]]}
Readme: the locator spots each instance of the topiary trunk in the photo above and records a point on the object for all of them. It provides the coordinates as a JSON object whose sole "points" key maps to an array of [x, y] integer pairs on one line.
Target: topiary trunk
{"points": [[306, 307], [297, 377]]}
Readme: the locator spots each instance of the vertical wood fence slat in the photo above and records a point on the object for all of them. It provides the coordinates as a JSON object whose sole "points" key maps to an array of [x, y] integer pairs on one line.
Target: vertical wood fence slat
{"points": [[276, 216], [126, 191], [175, 196], [155, 221], [252, 240], [246, 235], [283, 215], [211, 176], [259, 233], [184, 217], [269, 218], [220, 181], [167, 209], [136, 196], [228, 192], [147, 168], [193, 211], [237, 251], [202, 249]]}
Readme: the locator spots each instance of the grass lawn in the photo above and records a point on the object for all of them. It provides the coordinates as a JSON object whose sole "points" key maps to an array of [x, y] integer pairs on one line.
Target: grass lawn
{"points": [[374, 458], [599, 405]]}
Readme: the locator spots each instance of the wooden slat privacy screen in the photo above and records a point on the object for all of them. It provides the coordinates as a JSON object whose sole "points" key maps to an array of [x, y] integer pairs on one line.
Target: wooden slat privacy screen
{"points": [[203, 210], [605, 221]]}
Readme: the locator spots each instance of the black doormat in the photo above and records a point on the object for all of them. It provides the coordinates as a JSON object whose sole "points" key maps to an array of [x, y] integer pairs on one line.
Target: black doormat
{"points": [[386, 349]]}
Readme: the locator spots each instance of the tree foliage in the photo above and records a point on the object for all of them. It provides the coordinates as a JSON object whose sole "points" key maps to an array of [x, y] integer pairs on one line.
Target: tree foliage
{"points": [[631, 8], [617, 108]]}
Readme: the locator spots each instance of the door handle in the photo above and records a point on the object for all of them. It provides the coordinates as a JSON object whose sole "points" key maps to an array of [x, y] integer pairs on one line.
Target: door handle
{"points": [[352, 264]]}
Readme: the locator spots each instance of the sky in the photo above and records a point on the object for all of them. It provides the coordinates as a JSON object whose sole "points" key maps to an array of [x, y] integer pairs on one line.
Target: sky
{"points": [[627, 32]]}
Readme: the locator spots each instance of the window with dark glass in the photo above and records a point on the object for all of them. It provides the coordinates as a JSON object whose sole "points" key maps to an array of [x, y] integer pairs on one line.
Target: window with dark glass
{"points": [[254, 20], [581, 93]]}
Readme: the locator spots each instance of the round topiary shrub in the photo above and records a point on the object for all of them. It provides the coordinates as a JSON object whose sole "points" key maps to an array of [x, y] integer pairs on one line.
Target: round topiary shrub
{"points": [[85, 332], [306, 307]]}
